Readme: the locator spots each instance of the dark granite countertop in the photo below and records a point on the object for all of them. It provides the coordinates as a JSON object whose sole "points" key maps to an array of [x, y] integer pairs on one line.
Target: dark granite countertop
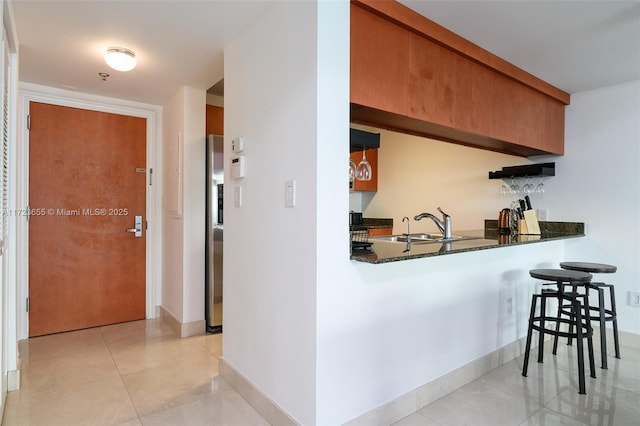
{"points": [[387, 251]]}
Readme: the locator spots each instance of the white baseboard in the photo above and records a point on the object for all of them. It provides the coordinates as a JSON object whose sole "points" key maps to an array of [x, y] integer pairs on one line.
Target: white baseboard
{"points": [[626, 339], [13, 380], [182, 329], [254, 396]]}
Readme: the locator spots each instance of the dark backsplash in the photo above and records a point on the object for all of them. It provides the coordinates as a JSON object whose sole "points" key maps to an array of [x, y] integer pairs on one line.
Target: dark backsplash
{"points": [[377, 223]]}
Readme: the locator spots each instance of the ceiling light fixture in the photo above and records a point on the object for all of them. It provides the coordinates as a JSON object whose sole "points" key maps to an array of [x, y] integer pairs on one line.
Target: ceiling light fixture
{"points": [[120, 59]]}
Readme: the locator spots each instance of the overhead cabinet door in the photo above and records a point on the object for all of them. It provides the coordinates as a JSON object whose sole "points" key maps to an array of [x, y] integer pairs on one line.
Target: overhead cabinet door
{"points": [[379, 60]]}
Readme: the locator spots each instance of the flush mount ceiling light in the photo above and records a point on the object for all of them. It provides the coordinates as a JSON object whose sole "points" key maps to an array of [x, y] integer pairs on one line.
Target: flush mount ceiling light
{"points": [[120, 59]]}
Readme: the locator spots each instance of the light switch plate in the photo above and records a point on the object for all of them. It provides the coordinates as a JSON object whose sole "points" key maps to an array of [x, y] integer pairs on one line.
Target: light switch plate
{"points": [[237, 196], [290, 193]]}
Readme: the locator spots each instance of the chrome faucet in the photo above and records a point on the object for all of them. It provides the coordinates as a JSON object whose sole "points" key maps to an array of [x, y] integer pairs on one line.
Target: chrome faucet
{"points": [[408, 234], [443, 225]]}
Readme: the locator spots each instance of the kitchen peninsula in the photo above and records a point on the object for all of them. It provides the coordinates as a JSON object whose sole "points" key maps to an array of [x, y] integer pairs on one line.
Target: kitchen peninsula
{"points": [[384, 251]]}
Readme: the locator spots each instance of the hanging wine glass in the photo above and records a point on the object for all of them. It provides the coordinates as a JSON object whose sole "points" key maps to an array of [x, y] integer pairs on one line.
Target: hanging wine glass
{"points": [[352, 170], [363, 171], [504, 189], [514, 188], [540, 187], [528, 186]]}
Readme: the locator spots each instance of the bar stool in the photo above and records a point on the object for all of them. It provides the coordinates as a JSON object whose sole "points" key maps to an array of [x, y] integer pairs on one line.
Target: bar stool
{"points": [[582, 327], [604, 314]]}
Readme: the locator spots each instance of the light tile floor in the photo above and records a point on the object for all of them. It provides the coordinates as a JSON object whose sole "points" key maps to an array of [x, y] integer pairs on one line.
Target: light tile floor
{"points": [[548, 396], [136, 373], [140, 373]]}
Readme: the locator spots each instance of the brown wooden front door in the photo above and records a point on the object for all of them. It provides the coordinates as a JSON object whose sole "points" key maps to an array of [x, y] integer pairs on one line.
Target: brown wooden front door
{"points": [[86, 185]]}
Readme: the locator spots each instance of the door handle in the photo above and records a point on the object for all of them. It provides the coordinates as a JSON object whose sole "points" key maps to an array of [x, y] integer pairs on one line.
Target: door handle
{"points": [[138, 229]]}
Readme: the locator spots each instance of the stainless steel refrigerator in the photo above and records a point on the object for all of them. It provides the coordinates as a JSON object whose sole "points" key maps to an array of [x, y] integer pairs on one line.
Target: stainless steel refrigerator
{"points": [[214, 236]]}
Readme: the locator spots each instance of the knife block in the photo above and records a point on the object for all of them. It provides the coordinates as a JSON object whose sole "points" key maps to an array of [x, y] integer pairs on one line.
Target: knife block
{"points": [[531, 225], [522, 227]]}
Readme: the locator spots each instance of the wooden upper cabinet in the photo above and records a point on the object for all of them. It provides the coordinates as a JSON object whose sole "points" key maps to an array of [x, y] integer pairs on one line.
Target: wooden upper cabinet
{"points": [[506, 97], [531, 118], [526, 117], [215, 120], [553, 140], [473, 97], [431, 81], [379, 59], [412, 75]]}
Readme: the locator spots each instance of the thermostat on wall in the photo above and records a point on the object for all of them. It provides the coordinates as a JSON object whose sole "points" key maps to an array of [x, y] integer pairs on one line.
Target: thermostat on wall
{"points": [[237, 144], [237, 166]]}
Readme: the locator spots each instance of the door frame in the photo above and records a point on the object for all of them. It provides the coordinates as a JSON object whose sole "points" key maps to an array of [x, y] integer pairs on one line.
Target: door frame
{"points": [[153, 114]]}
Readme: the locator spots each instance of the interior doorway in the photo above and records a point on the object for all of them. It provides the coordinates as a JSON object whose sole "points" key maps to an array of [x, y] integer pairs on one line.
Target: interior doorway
{"points": [[87, 199]]}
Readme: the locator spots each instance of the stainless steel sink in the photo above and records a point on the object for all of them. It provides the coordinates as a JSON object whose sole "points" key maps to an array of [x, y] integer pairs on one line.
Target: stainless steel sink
{"points": [[394, 238], [421, 238]]}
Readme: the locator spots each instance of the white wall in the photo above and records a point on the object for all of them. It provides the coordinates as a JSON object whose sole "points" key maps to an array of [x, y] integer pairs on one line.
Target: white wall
{"points": [[598, 182], [194, 184], [8, 299], [172, 248], [183, 230], [215, 100], [270, 258], [333, 266]]}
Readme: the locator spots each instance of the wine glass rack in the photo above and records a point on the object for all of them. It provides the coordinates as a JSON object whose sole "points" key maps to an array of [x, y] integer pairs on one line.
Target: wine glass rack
{"points": [[527, 170]]}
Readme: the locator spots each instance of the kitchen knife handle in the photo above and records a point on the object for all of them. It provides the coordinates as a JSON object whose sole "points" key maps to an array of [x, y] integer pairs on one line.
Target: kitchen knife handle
{"points": [[522, 205], [528, 201]]}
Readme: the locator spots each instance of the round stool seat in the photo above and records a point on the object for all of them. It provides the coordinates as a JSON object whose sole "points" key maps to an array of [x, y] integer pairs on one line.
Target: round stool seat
{"points": [[600, 268], [561, 275]]}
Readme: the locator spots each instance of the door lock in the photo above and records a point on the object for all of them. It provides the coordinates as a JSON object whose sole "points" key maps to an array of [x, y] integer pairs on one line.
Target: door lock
{"points": [[138, 229]]}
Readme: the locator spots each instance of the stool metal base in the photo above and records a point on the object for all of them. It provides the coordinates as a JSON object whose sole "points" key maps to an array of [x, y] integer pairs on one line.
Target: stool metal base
{"points": [[603, 314], [573, 317], [582, 330]]}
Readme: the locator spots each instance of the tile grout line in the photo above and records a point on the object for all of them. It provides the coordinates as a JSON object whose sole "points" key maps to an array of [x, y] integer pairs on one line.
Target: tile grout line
{"points": [[120, 375]]}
